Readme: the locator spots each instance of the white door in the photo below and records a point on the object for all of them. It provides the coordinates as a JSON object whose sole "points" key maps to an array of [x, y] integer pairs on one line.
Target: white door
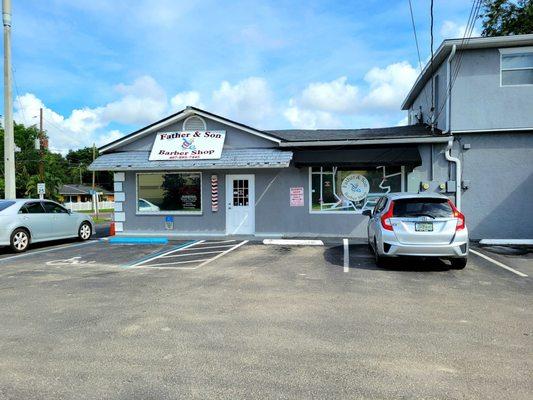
{"points": [[240, 205]]}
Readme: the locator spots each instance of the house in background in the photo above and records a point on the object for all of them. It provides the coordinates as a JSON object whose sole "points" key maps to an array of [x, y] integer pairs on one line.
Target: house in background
{"points": [[74, 193], [488, 109]]}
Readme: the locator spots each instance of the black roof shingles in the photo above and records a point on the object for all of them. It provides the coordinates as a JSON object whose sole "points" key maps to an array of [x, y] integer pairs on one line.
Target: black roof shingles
{"points": [[395, 132]]}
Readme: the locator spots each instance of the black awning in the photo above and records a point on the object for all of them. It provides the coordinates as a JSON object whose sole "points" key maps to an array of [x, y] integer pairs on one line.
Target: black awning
{"points": [[358, 158]]}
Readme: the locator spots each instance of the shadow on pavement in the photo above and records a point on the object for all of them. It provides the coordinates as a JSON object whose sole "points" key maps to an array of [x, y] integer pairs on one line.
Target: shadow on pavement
{"points": [[362, 258]]}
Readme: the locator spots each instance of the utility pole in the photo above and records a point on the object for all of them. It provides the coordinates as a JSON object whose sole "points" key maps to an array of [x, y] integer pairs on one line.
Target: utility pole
{"points": [[41, 146], [95, 195], [9, 139]]}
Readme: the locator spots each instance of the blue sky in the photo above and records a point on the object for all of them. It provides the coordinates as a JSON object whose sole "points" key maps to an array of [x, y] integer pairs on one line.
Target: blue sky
{"points": [[102, 68]]}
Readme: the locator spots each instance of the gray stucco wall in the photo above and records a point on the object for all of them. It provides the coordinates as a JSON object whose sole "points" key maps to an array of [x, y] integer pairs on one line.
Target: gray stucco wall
{"points": [[478, 100], [499, 200], [273, 213], [424, 99]]}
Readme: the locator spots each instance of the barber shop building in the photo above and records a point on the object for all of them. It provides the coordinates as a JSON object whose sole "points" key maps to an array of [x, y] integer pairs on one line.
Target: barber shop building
{"points": [[197, 174]]}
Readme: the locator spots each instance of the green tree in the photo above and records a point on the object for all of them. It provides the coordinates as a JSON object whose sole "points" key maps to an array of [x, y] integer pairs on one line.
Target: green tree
{"points": [[507, 17], [79, 161]]}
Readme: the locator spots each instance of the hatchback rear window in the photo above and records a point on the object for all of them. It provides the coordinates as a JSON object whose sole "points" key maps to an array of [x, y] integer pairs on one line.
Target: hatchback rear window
{"points": [[5, 204], [417, 207]]}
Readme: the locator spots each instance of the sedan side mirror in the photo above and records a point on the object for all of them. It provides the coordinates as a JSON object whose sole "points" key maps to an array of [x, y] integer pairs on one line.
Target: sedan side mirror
{"points": [[367, 213]]}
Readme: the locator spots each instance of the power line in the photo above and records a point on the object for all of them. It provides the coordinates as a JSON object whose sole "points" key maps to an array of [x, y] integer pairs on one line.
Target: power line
{"points": [[474, 11], [417, 46]]}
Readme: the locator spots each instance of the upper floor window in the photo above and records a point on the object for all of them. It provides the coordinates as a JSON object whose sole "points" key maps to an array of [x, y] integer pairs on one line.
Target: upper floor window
{"points": [[516, 67]]}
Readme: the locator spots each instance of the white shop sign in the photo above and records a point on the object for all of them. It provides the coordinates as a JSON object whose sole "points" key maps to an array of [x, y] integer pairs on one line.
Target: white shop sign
{"points": [[188, 145]]}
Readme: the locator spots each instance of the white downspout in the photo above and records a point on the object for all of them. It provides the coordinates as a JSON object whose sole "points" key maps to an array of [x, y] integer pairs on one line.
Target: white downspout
{"points": [[457, 161], [448, 152], [449, 86]]}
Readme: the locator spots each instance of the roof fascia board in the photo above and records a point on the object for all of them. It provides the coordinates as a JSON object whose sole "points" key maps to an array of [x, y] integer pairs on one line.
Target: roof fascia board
{"points": [[184, 114], [280, 165], [365, 142], [142, 132]]}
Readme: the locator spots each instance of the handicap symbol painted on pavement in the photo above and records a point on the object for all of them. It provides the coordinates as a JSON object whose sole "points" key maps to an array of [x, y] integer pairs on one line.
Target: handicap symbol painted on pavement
{"points": [[70, 261]]}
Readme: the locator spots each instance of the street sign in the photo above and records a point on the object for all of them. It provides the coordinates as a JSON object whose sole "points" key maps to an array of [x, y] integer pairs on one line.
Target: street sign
{"points": [[41, 189]]}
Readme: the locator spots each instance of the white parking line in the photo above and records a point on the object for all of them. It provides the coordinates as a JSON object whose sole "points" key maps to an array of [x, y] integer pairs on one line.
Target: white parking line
{"points": [[212, 247], [499, 264], [173, 263], [223, 254], [192, 254], [201, 261], [136, 265], [30, 253], [346, 255]]}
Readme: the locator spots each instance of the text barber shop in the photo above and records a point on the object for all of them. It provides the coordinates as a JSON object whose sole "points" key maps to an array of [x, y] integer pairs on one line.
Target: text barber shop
{"points": [[195, 173]]}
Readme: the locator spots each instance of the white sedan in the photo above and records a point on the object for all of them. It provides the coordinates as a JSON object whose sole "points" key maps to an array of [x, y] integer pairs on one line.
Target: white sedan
{"points": [[27, 221]]}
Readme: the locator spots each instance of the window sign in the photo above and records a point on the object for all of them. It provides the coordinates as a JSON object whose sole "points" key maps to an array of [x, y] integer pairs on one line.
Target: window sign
{"points": [[339, 190], [187, 145], [169, 193]]}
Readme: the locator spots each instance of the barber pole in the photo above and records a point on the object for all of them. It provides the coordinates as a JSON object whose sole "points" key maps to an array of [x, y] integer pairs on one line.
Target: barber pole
{"points": [[214, 193]]}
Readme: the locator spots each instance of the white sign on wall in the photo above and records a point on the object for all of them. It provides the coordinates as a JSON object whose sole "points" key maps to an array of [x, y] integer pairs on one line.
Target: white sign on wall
{"points": [[355, 187], [297, 196], [188, 145]]}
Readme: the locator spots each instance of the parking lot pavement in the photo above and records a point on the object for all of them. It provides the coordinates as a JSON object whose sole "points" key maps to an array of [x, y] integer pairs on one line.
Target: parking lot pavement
{"points": [[262, 322]]}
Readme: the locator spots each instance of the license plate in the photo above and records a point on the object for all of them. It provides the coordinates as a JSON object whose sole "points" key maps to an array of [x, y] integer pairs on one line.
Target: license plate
{"points": [[424, 226]]}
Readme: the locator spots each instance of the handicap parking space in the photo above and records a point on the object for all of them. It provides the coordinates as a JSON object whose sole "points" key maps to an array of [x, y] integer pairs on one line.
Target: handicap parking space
{"points": [[176, 254], [189, 255]]}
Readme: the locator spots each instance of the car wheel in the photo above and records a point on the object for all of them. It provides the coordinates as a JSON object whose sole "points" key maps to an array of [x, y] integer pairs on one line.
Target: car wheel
{"points": [[458, 263], [85, 232], [380, 261], [20, 240]]}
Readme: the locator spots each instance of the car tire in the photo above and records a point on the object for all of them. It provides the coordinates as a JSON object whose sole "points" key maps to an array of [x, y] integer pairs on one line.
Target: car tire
{"points": [[380, 261], [20, 240], [85, 231], [458, 263]]}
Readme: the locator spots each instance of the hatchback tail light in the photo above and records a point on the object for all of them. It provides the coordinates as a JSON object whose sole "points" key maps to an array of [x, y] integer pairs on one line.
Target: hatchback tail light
{"points": [[385, 218], [459, 215]]}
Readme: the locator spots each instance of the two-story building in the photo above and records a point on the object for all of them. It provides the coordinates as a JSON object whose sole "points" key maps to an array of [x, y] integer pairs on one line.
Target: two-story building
{"points": [[483, 97], [198, 174]]}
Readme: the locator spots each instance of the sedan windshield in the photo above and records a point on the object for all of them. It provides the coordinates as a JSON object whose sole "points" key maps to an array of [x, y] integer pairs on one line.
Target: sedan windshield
{"points": [[5, 204], [420, 207]]}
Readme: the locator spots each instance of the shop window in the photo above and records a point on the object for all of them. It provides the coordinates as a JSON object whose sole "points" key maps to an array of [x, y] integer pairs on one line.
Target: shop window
{"points": [[171, 193], [516, 67], [338, 190]]}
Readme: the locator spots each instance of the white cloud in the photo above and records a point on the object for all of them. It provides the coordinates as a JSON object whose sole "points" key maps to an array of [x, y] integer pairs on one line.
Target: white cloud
{"points": [[142, 102], [389, 85], [249, 100], [309, 119], [322, 104], [403, 122], [184, 99], [335, 96], [454, 30]]}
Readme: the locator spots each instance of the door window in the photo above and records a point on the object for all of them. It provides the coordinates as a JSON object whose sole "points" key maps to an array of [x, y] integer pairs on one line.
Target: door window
{"points": [[240, 192], [53, 208], [32, 208]]}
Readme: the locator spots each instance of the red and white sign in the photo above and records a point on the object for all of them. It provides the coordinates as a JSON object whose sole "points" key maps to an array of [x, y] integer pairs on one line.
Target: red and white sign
{"points": [[297, 196], [188, 145]]}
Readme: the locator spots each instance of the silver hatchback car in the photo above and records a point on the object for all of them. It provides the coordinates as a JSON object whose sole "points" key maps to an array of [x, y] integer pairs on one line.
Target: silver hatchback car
{"points": [[30, 221], [424, 225]]}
